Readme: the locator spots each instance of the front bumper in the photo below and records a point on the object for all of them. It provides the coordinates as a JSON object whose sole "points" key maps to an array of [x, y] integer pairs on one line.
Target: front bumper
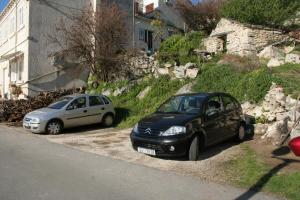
{"points": [[35, 127], [174, 146]]}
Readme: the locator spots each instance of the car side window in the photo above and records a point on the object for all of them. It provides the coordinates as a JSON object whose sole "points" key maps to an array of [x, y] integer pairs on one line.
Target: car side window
{"points": [[77, 103], [229, 103], [213, 107], [95, 101]]}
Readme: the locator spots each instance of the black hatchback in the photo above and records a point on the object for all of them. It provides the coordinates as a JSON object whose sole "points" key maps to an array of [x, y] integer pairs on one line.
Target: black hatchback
{"points": [[186, 124]]}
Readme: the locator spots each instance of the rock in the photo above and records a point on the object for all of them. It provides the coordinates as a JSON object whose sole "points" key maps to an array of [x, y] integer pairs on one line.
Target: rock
{"points": [[168, 65], [120, 91], [186, 89], [289, 49], [163, 71], [260, 129], [143, 93], [292, 58], [190, 65], [192, 73], [275, 62], [179, 71], [106, 93], [277, 130], [295, 132], [271, 52]]}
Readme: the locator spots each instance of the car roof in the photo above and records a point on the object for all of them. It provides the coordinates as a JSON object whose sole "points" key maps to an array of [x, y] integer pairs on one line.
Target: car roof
{"points": [[81, 95], [204, 94]]}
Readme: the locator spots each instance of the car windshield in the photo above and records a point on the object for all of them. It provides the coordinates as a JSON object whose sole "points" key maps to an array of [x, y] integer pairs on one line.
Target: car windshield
{"points": [[60, 103], [182, 104]]}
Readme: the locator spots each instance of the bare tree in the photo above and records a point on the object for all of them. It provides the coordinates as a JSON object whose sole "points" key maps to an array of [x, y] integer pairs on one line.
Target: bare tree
{"points": [[202, 16], [95, 39]]}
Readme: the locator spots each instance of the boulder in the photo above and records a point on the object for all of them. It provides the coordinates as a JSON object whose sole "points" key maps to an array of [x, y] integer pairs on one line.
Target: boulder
{"points": [[162, 71], [192, 73], [143, 93], [275, 62], [289, 49], [295, 132], [120, 91], [179, 71], [186, 88], [168, 65], [277, 130], [292, 58], [190, 65], [106, 92], [271, 52]]}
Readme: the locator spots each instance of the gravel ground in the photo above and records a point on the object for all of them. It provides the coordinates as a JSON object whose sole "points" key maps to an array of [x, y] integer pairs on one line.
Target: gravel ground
{"points": [[116, 144]]}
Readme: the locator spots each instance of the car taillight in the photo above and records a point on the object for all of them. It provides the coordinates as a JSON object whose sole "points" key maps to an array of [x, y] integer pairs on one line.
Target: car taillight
{"points": [[295, 146]]}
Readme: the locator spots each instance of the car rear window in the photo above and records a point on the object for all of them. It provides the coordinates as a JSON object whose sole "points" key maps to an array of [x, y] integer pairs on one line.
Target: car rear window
{"points": [[95, 101], [106, 100]]}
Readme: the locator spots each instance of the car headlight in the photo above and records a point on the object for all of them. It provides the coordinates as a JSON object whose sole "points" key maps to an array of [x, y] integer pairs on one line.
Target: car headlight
{"points": [[35, 120], [136, 128], [174, 130]]}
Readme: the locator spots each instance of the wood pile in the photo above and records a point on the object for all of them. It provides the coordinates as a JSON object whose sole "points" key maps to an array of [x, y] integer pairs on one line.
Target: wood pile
{"points": [[15, 110]]}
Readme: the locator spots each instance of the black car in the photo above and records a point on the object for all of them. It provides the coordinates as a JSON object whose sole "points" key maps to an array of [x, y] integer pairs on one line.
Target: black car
{"points": [[185, 124]]}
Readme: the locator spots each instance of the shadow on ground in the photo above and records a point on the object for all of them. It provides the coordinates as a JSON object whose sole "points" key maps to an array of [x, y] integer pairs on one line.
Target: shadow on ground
{"points": [[258, 186]]}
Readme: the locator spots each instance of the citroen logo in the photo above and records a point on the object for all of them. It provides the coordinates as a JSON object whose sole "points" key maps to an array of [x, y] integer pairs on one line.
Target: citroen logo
{"points": [[148, 131]]}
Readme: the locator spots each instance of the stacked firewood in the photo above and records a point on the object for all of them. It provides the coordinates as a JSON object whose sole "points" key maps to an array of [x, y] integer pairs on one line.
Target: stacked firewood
{"points": [[15, 110]]}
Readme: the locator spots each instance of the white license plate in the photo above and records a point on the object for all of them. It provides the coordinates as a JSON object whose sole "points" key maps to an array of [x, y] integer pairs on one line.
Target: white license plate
{"points": [[146, 151]]}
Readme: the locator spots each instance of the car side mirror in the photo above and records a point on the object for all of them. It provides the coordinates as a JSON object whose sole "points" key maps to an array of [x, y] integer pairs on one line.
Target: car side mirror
{"points": [[212, 114]]}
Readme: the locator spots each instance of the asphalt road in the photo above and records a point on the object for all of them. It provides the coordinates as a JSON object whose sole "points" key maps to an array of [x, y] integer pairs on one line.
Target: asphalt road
{"points": [[31, 168]]}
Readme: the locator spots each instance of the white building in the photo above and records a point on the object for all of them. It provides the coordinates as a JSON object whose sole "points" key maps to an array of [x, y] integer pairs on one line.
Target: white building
{"points": [[25, 26]]}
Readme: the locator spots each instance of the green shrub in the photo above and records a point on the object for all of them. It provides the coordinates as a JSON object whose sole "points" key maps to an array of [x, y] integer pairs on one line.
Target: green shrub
{"points": [[251, 86], [179, 48], [272, 13]]}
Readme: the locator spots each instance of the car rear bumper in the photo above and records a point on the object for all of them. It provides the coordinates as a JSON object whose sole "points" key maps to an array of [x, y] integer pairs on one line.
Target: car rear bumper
{"points": [[164, 147]]}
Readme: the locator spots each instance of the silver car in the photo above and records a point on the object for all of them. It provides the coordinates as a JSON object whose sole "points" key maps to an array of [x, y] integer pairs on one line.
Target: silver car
{"points": [[71, 111]]}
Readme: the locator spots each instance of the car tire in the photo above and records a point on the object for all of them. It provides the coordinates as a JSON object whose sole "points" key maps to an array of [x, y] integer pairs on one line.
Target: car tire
{"points": [[194, 149], [108, 120], [241, 134], [54, 127]]}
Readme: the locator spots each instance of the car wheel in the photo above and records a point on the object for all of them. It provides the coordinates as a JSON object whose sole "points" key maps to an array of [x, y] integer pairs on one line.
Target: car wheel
{"points": [[108, 120], [54, 127], [194, 149], [241, 134]]}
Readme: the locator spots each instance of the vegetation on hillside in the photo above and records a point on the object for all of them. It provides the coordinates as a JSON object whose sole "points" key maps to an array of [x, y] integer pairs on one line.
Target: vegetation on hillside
{"points": [[179, 48], [272, 13], [130, 109]]}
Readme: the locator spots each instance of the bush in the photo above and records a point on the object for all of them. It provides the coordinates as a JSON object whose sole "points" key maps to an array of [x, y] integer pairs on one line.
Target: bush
{"points": [[252, 86], [272, 13], [179, 48]]}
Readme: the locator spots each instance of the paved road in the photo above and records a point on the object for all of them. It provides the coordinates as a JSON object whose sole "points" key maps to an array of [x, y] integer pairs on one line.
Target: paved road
{"points": [[31, 168]]}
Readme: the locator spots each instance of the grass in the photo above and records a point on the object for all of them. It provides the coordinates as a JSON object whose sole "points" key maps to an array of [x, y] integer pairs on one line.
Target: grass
{"points": [[248, 86], [250, 171], [130, 109]]}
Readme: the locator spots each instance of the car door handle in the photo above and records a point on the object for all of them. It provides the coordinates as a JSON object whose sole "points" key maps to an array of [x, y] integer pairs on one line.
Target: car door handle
{"points": [[85, 111]]}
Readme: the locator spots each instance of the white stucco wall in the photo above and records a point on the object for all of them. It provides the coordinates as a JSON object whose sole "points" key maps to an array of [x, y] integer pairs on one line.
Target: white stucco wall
{"points": [[14, 41]]}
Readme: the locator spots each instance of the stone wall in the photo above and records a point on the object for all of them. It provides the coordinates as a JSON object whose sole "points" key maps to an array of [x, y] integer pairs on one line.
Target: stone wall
{"points": [[241, 39]]}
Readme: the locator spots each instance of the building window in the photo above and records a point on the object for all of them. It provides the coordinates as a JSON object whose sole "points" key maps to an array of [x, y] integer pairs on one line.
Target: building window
{"points": [[141, 34], [20, 17], [16, 69]]}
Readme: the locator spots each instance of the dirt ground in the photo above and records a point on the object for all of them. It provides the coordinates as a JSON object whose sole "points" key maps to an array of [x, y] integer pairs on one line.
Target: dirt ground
{"points": [[116, 144], [274, 156]]}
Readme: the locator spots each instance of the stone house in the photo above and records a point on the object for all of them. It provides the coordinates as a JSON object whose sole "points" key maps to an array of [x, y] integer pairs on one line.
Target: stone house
{"points": [[241, 39], [24, 44]]}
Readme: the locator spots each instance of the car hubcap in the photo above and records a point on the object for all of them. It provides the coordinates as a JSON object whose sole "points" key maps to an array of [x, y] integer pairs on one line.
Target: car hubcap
{"points": [[108, 120], [54, 128], [241, 133]]}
